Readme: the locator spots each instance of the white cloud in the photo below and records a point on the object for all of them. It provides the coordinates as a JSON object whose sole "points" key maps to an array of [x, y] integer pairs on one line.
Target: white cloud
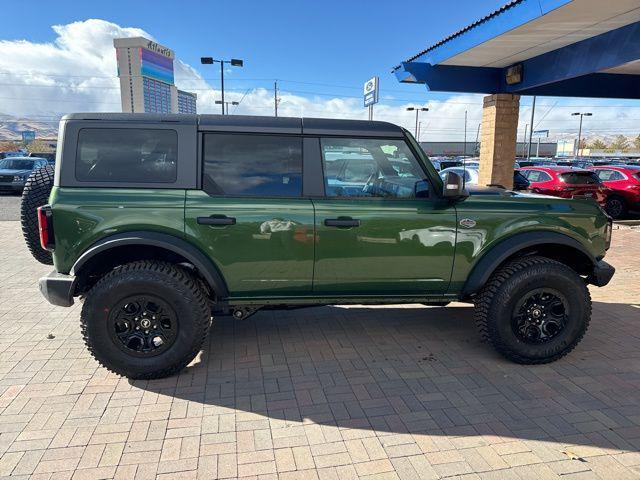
{"points": [[77, 72]]}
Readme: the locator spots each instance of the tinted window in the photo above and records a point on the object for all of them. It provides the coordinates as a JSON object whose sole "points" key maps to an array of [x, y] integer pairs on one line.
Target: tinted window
{"points": [[16, 164], [537, 176], [580, 178], [355, 167], [609, 175], [126, 155], [253, 165]]}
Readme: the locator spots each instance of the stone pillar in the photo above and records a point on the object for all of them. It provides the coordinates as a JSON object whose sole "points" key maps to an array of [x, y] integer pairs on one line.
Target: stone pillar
{"points": [[499, 139]]}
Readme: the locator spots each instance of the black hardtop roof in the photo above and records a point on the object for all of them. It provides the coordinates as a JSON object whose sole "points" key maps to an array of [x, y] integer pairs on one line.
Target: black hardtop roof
{"points": [[249, 123]]}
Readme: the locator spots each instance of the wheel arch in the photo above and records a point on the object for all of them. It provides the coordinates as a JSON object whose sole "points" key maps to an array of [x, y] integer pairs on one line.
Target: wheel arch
{"points": [[552, 245], [120, 248]]}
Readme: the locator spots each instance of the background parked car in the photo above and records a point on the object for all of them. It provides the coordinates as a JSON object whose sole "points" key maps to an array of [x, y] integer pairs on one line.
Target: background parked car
{"points": [[566, 182], [536, 163], [14, 171], [470, 175], [575, 163], [624, 182], [49, 156]]}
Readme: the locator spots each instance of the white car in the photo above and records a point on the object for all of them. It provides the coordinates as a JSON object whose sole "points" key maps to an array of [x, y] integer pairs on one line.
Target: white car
{"points": [[469, 174]]}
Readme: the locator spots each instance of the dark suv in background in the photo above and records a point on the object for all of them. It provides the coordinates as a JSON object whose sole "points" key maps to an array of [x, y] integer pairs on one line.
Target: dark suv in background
{"points": [[14, 171]]}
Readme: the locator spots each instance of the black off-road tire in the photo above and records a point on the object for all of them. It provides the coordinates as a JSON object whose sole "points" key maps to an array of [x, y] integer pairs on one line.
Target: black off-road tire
{"points": [[175, 285], [616, 207], [496, 302], [36, 194]]}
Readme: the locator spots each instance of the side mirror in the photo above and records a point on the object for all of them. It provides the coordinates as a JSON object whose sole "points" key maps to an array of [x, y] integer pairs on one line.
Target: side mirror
{"points": [[454, 186]]}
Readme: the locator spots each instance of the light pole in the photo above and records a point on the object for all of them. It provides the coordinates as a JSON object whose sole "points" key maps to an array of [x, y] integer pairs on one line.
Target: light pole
{"points": [[588, 114], [234, 62], [417, 110], [226, 104]]}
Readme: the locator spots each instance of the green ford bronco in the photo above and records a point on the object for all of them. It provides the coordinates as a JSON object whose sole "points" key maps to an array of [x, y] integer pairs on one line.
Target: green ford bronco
{"points": [[159, 222]]}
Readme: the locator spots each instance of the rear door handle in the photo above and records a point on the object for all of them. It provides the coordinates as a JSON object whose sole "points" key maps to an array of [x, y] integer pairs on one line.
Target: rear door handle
{"points": [[216, 220], [341, 222]]}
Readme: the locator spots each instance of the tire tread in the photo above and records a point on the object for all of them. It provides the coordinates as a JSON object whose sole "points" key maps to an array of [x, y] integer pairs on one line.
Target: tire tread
{"points": [[143, 269], [485, 297]]}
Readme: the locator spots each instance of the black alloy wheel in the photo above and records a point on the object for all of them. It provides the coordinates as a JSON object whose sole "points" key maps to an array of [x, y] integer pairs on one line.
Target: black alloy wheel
{"points": [[540, 316], [143, 325]]}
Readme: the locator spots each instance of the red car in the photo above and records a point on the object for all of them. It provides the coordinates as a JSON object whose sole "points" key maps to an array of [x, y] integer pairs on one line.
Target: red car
{"points": [[624, 182], [566, 182]]}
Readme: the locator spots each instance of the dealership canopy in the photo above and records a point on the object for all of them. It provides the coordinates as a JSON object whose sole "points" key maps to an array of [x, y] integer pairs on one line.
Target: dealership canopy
{"points": [[578, 48]]}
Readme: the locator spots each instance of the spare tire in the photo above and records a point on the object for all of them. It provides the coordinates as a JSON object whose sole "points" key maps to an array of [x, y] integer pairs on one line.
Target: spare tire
{"points": [[35, 194]]}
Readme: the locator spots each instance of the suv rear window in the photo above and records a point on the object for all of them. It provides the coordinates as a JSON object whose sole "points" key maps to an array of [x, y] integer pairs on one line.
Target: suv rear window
{"points": [[580, 178], [252, 165], [126, 155]]}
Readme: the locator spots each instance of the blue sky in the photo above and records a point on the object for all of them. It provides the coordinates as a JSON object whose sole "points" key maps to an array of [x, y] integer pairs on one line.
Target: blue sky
{"points": [[57, 57], [329, 41]]}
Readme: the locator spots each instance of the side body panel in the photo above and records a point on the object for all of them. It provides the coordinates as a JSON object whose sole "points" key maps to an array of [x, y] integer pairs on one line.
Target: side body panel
{"points": [[401, 247], [500, 216], [82, 216], [267, 252]]}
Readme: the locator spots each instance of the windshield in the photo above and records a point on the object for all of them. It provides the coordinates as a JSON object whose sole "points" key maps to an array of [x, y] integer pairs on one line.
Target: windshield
{"points": [[16, 164], [580, 178]]}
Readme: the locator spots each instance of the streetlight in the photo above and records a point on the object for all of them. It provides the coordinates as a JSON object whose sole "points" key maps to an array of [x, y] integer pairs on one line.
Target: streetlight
{"points": [[417, 110], [218, 102], [580, 129], [234, 62]]}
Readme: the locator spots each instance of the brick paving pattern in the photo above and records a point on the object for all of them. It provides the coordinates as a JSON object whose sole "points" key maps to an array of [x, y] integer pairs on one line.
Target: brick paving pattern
{"points": [[324, 393]]}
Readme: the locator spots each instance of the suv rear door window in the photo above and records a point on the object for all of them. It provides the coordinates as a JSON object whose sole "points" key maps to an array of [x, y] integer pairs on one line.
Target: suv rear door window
{"points": [[126, 155], [252, 165], [580, 178]]}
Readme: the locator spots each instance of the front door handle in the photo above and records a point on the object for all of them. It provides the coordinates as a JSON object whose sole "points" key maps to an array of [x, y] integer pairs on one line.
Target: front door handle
{"points": [[216, 220], [341, 222]]}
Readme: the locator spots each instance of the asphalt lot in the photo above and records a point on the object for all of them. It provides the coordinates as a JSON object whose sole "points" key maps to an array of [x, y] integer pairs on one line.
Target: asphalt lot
{"points": [[395, 392], [9, 206]]}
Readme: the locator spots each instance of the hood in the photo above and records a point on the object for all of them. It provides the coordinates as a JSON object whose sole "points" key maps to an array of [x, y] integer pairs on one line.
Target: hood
{"points": [[11, 171], [477, 190]]}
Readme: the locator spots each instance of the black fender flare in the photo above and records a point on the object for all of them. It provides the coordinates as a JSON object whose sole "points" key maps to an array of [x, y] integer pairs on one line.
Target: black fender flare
{"points": [[177, 245], [491, 260]]}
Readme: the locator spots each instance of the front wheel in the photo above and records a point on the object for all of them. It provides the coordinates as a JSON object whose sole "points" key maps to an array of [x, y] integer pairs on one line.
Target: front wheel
{"points": [[145, 319], [533, 310]]}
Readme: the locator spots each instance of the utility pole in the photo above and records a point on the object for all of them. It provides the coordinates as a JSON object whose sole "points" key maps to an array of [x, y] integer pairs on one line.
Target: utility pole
{"points": [[233, 62], [533, 112], [580, 129], [275, 97], [465, 134], [417, 110], [524, 140]]}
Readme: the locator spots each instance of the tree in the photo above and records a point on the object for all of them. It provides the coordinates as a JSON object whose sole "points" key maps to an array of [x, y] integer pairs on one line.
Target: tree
{"points": [[620, 143], [636, 142], [598, 145]]}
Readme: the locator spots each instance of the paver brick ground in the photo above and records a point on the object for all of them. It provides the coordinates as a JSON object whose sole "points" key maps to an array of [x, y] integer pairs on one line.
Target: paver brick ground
{"points": [[404, 392]]}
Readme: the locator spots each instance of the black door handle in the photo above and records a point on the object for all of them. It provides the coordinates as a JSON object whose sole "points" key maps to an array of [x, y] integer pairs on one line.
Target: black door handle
{"points": [[341, 222], [216, 220]]}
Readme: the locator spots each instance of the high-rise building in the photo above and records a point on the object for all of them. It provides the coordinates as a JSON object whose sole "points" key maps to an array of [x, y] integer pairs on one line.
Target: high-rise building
{"points": [[187, 102], [145, 69]]}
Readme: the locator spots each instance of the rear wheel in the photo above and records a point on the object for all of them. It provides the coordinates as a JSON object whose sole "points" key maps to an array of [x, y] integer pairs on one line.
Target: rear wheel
{"points": [[616, 207], [534, 310], [36, 194], [145, 319]]}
